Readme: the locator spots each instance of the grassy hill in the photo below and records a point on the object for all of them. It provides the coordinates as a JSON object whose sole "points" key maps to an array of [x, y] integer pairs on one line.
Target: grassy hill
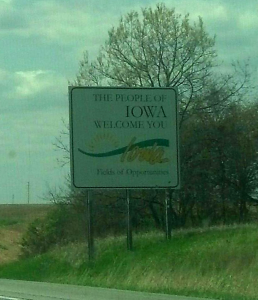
{"points": [[219, 263], [14, 220]]}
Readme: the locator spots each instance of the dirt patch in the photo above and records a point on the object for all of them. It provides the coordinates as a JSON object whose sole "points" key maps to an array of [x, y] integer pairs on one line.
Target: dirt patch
{"points": [[14, 220], [9, 245]]}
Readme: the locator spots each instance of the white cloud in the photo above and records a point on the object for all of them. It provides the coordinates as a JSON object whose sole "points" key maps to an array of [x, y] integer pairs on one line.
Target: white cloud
{"points": [[55, 22], [3, 74], [208, 10], [211, 12], [5, 3], [32, 91], [248, 20], [29, 83]]}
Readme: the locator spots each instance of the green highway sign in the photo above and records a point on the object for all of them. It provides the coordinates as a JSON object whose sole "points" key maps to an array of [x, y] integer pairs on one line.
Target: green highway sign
{"points": [[124, 137]]}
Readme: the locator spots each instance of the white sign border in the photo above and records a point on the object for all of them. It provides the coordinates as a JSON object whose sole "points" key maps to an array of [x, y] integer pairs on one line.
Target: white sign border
{"points": [[71, 88]]}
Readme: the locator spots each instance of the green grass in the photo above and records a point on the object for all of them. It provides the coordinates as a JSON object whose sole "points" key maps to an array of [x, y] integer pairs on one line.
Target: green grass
{"points": [[219, 263], [4, 222]]}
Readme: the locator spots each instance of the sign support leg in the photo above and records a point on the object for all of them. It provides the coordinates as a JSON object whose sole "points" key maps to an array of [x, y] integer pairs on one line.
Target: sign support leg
{"points": [[90, 227], [168, 215], [129, 222]]}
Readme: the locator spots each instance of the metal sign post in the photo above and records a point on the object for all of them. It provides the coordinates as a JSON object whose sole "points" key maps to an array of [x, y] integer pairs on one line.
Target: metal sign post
{"points": [[90, 227], [168, 215], [129, 222]]}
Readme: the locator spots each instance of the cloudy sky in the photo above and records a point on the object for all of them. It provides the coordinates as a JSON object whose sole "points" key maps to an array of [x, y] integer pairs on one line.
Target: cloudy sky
{"points": [[41, 45]]}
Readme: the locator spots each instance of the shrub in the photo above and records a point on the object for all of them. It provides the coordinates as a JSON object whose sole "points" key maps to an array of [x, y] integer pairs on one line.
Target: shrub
{"points": [[42, 234]]}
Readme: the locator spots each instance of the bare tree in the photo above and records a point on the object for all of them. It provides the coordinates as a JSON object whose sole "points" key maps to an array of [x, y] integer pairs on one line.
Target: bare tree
{"points": [[160, 48]]}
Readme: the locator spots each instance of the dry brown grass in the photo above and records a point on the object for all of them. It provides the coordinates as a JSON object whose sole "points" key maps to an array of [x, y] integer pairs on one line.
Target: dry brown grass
{"points": [[14, 220], [9, 245]]}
